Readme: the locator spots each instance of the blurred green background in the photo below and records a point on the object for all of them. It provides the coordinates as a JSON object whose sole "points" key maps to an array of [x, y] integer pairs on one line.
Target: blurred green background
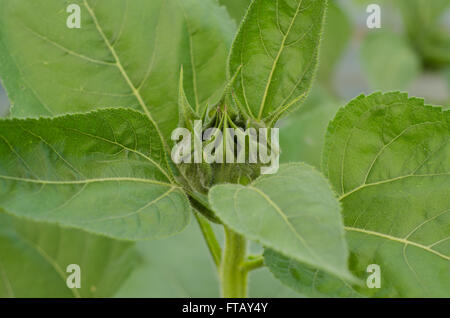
{"points": [[411, 52]]}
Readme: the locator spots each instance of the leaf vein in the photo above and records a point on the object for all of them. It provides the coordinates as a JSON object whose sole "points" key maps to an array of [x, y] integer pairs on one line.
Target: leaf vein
{"points": [[277, 58], [397, 239]]}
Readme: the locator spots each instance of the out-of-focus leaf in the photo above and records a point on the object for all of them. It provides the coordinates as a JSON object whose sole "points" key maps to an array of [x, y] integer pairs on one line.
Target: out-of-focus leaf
{"points": [[336, 36], [447, 76], [34, 258], [181, 266], [426, 30], [388, 60], [302, 134]]}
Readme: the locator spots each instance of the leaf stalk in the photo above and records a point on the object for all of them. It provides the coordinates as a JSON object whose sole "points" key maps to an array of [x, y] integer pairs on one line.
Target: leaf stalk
{"points": [[210, 239]]}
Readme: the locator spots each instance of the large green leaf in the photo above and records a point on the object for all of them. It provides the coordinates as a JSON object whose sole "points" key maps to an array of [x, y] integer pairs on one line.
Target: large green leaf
{"points": [[277, 47], [103, 172], [34, 258], [294, 212], [388, 158], [126, 53]]}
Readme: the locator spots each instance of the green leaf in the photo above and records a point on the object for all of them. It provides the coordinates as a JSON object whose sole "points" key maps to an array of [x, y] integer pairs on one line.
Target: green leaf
{"points": [[389, 61], [236, 8], [387, 157], [126, 54], [34, 258], [336, 37], [187, 115], [277, 46], [103, 172], [307, 280], [294, 212]]}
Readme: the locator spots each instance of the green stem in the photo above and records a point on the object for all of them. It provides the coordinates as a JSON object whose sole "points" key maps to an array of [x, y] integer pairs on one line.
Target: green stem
{"points": [[253, 263], [233, 276], [210, 239]]}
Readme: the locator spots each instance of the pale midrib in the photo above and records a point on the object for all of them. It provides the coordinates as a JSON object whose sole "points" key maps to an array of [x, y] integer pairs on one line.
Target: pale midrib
{"points": [[397, 239], [86, 181], [123, 72], [390, 180], [275, 63]]}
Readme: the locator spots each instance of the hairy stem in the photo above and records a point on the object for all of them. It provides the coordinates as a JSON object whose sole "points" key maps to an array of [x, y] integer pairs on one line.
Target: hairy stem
{"points": [[210, 239], [233, 276]]}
